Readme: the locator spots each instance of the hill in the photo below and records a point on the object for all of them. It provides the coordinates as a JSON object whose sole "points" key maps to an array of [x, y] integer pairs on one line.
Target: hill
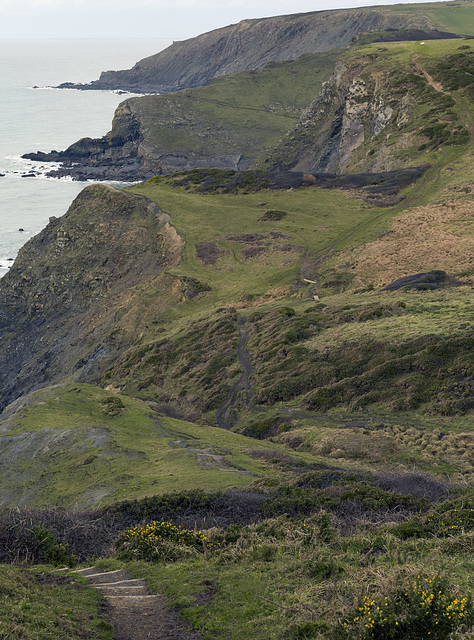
{"points": [[255, 388], [253, 44]]}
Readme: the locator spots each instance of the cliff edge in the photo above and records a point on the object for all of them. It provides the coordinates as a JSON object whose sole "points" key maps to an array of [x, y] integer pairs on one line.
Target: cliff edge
{"points": [[252, 44], [69, 302]]}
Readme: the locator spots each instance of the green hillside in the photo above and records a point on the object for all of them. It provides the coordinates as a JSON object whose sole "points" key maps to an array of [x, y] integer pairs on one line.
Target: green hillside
{"points": [[77, 445], [256, 389], [448, 16]]}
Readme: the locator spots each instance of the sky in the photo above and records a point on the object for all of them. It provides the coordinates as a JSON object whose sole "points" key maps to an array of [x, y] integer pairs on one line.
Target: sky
{"points": [[161, 19]]}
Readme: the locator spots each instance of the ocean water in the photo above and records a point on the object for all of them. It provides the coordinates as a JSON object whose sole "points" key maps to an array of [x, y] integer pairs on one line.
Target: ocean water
{"points": [[41, 119]]}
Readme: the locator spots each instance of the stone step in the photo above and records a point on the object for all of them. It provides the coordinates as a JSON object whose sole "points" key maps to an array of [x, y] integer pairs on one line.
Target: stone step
{"points": [[111, 590], [86, 571], [131, 582], [106, 576], [148, 597]]}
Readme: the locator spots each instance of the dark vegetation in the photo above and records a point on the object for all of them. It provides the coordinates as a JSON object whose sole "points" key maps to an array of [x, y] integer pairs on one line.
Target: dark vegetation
{"points": [[419, 281], [207, 181], [436, 374], [456, 72], [190, 374], [424, 508], [404, 35]]}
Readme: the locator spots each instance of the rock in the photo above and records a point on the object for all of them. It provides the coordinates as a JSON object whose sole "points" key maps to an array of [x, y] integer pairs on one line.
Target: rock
{"points": [[419, 281], [69, 287]]}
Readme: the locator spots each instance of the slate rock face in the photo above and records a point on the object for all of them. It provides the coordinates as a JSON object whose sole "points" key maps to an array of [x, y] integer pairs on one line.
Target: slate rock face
{"points": [[252, 44], [419, 281], [66, 305]]}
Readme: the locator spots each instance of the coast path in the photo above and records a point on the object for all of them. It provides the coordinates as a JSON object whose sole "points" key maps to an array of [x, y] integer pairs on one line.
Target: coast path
{"points": [[133, 612]]}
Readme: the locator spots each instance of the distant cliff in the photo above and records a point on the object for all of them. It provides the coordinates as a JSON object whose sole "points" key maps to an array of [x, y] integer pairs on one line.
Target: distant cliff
{"points": [[252, 44]]}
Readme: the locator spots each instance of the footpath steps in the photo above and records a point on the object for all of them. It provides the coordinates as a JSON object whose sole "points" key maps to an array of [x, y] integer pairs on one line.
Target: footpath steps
{"points": [[134, 613]]}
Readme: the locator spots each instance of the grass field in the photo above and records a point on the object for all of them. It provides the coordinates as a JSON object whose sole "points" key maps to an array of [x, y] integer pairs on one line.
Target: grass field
{"points": [[455, 17], [35, 604]]}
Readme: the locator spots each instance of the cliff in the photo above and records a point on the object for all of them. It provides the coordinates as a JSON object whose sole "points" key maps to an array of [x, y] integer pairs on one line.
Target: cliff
{"points": [[376, 112], [226, 125], [252, 44], [69, 301]]}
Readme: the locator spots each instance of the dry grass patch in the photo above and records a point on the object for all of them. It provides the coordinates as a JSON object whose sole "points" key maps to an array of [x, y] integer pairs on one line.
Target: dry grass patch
{"points": [[421, 239]]}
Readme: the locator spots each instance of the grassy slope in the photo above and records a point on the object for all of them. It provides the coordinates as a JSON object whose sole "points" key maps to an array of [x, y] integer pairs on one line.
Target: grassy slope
{"points": [[35, 604], [243, 113], [71, 447], [456, 17], [315, 219]]}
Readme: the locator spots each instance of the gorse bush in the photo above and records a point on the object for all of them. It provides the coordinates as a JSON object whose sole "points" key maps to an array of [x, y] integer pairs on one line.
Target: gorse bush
{"points": [[160, 541], [426, 608], [451, 522], [46, 548]]}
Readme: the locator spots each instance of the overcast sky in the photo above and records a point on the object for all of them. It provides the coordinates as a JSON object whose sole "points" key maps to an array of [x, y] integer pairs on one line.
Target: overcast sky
{"points": [[169, 19]]}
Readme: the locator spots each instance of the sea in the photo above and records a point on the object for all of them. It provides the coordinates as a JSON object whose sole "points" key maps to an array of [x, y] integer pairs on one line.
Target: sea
{"points": [[36, 117]]}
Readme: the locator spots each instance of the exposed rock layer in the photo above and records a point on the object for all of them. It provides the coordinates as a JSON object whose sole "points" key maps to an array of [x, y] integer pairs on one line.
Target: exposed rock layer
{"points": [[66, 305]]}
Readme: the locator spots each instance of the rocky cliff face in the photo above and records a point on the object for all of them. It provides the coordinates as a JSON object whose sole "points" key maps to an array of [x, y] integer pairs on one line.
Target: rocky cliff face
{"points": [[69, 302], [252, 44], [363, 117], [350, 107]]}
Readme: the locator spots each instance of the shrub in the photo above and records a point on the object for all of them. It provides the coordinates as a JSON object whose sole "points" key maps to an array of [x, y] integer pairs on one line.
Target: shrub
{"points": [[46, 548], [286, 311], [160, 541], [412, 529], [452, 522], [427, 607], [273, 215], [112, 405]]}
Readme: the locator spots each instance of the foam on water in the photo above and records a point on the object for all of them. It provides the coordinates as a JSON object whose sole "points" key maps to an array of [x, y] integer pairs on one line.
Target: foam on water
{"points": [[42, 120]]}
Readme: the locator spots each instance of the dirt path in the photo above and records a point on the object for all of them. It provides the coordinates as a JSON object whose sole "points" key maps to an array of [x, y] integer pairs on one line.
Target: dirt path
{"points": [[225, 415], [465, 115], [133, 612]]}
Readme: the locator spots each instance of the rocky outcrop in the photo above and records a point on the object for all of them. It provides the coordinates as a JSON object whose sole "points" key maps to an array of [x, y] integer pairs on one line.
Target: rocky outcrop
{"points": [[362, 121], [147, 140], [69, 304], [252, 44], [206, 127]]}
